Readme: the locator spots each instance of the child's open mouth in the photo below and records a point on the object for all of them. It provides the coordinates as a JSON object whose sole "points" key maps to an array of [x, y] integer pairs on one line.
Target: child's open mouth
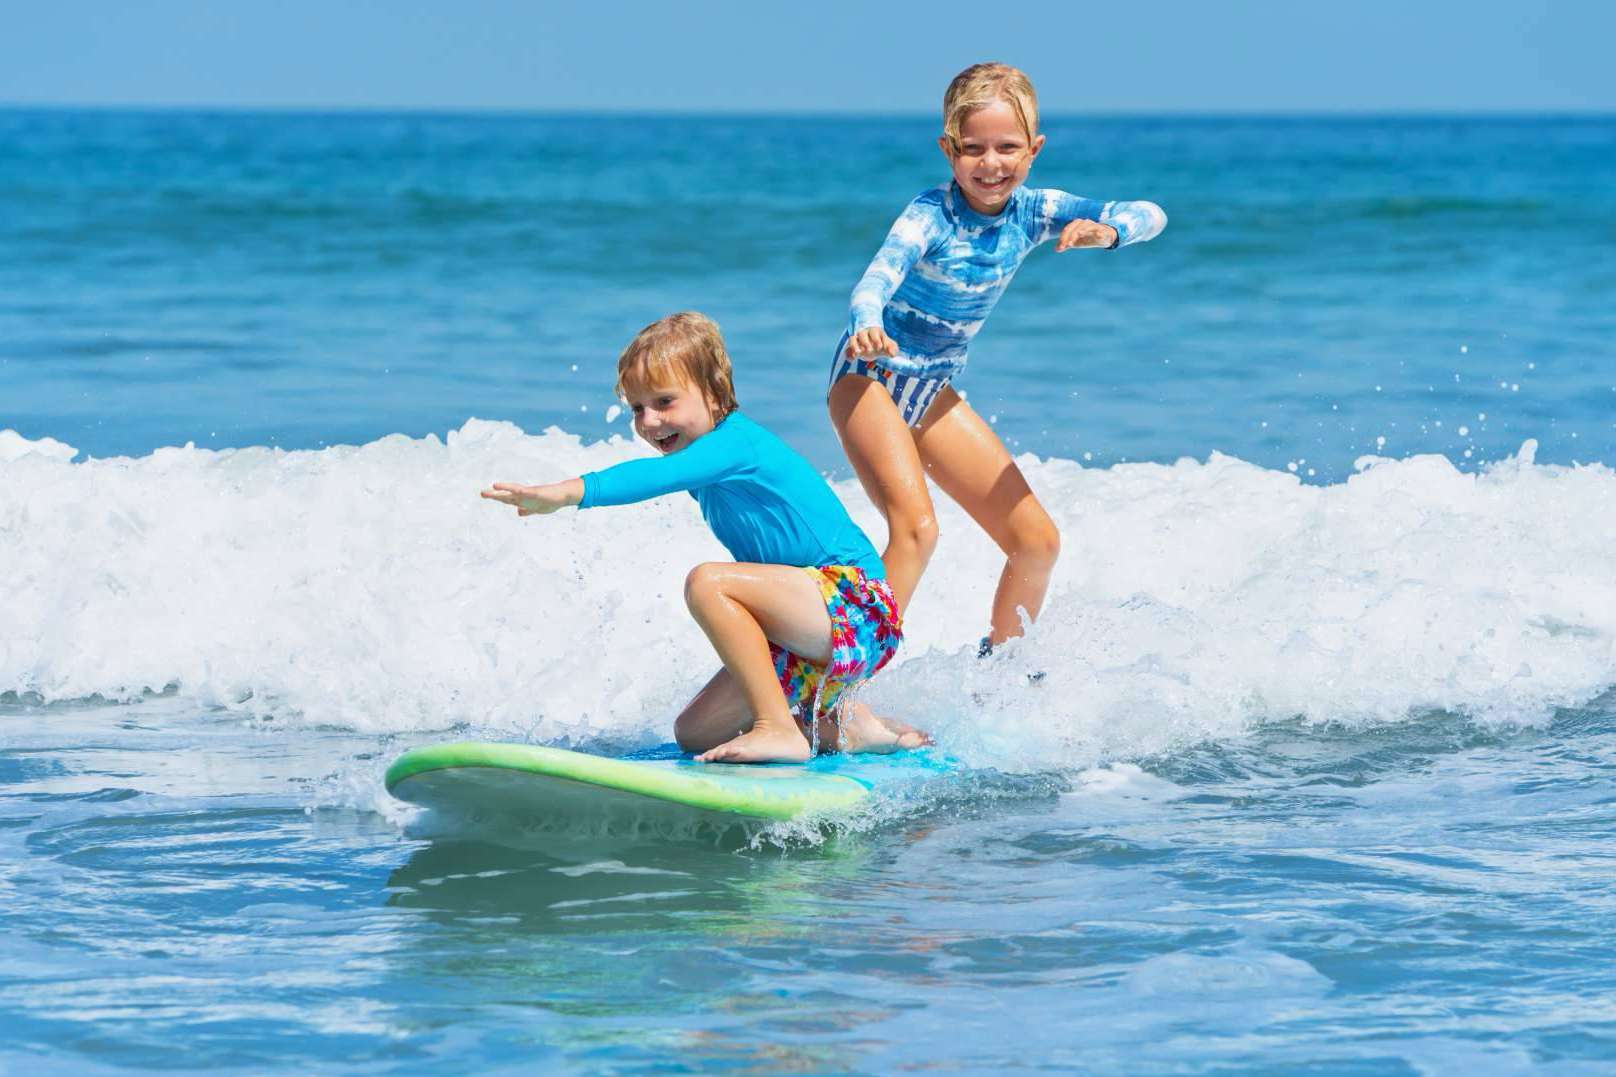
{"points": [[667, 442]]}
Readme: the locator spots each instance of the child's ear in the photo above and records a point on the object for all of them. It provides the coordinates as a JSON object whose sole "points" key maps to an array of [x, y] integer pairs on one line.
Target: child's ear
{"points": [[1037, 144], [947, 146]]}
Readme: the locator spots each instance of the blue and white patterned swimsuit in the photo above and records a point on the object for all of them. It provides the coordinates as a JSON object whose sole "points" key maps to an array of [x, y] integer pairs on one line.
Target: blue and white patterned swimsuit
{"points": [[943, 267]]}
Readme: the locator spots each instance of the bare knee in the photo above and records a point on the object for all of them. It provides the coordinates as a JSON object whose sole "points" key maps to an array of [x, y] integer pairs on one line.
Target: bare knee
{"points": [[703, 586], [914, 532], [697, 732], [1036, 543], [686, 733]]}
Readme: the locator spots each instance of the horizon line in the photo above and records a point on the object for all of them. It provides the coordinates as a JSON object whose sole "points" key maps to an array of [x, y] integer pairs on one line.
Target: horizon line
{"points": [[803, 113]]}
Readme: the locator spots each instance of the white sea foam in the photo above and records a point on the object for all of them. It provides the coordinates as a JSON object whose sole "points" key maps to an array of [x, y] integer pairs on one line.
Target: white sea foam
{"points": [[13, 446], [369, 587]]}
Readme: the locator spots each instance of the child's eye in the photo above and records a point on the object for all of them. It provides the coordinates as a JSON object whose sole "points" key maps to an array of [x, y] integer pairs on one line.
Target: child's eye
{"points": [[637, 408], [665, 402]]}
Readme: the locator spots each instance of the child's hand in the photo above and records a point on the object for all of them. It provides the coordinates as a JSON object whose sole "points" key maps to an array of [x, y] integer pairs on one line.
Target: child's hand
{"points": [[871, 341], [1085, 234], [536, 500]]}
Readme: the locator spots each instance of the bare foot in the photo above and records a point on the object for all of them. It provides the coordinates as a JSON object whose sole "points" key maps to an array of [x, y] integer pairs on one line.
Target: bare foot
{"points": [[761, 744], [864, 731]]}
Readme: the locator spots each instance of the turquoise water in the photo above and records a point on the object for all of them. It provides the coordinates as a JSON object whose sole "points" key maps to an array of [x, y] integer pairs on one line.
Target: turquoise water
{"points": [[303, 280], [1318, 776], [1419, 898]]}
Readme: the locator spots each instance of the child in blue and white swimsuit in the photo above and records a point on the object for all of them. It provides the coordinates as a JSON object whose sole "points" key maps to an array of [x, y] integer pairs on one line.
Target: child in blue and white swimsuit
{"points": [[945, 263]]}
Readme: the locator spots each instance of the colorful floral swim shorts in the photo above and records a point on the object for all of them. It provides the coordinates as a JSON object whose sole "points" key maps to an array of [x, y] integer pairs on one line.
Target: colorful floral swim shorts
{"points": [[865, 631]]}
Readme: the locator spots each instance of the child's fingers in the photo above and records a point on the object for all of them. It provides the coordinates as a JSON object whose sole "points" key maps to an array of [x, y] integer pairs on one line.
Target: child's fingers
{"points": [[1085, 234], [871, 342], [507, 496]]}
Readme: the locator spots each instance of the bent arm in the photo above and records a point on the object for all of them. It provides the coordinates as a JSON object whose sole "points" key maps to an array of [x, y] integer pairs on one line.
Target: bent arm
{"points": [[908, 240], [1135, 222]]}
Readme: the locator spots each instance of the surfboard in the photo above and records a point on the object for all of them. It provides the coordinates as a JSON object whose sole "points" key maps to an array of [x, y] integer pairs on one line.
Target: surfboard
{"points": [[558, 789]]}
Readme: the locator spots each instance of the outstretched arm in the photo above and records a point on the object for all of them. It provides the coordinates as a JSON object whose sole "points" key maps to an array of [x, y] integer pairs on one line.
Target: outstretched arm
{"points": [[708, 459], [1086, 222], [705, 460], [537, 500], [908, 240]]}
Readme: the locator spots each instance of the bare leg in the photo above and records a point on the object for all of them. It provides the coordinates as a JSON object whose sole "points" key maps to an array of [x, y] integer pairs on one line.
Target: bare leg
{"points": [[882, 451], [967, 460], [717, 714], [742, 607], [862, 730]]}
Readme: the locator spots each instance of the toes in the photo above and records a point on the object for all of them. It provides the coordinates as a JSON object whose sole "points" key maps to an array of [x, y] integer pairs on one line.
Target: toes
{"points": [[720, 754]]}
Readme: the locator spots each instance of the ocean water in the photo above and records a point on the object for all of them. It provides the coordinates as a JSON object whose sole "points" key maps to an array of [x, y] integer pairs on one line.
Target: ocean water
{"points": [[1319, 773]]}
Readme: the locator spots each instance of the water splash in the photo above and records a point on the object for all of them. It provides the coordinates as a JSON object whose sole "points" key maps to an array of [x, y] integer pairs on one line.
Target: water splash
{"points": [[367, 587]]}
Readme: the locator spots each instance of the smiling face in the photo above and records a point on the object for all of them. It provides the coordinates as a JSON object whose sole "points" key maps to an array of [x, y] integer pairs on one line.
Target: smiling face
{"points": [[669, 417], [676, 378], [992, 157]]}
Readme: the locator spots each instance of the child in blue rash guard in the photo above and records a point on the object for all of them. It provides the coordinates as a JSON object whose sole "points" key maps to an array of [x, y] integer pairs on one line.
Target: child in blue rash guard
{"points": [[943, 266], [804, 614]]}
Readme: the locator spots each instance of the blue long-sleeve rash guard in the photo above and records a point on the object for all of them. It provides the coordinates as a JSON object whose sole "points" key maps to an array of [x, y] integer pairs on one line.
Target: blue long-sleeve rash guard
{"points": [[765, 503]]}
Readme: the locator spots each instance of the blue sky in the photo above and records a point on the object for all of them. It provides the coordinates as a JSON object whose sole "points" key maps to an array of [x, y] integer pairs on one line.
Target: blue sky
{"points": [[1240, 55]]}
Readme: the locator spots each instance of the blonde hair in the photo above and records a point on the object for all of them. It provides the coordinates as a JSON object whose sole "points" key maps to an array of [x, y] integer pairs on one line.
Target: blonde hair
{"points": [[685, 348], [979, 86]]}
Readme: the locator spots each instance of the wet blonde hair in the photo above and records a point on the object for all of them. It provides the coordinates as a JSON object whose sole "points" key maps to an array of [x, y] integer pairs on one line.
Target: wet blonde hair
{"points": [[683, 348], [979, 86]]}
